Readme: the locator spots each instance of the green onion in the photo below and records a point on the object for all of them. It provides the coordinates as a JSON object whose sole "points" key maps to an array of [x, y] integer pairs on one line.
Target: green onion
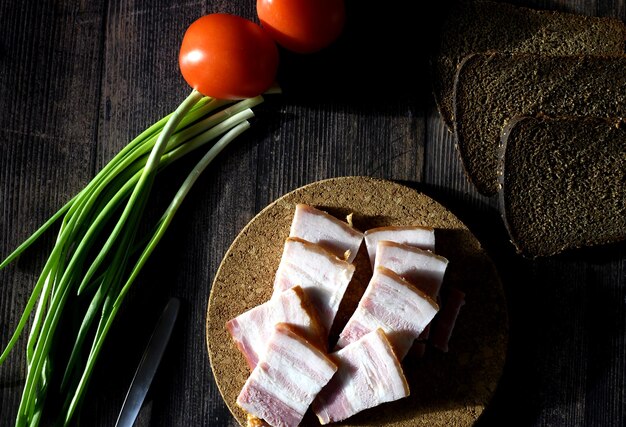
{"points": [[97, 255]]}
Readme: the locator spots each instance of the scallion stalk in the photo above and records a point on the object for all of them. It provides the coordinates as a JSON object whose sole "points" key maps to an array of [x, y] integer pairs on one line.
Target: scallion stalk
{"points": [[98, 268]]}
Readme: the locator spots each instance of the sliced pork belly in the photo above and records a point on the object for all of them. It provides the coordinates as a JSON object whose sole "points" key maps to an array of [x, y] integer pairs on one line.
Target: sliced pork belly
{"points": [[369, 374], [391, 303], [334, 235], [322, 276], [419, 237], [442, 327], [286, 380], [422, 268], [252, 329]]}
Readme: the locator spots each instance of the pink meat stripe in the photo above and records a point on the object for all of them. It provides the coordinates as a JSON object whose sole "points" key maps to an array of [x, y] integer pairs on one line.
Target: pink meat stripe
{"points": [[286, 380], [369, 374], [419, 237], [252, 329], [318, 227], [391, 303], [421, 268], [322, 276]]}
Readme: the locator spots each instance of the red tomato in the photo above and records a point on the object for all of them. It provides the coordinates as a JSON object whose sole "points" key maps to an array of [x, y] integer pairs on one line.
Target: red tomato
{"points": [[228, 57], [302, 26]]}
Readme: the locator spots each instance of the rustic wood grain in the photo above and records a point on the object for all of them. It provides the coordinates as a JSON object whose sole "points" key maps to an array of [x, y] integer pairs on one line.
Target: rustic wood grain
{"points": [[78, 79], [50, 61]]}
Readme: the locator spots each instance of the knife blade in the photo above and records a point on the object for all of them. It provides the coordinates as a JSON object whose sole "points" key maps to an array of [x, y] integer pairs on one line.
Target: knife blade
{"points": [[148, 365]]}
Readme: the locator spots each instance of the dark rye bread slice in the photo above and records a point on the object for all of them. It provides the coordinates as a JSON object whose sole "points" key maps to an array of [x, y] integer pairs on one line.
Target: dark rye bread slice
{"points": [[491, 88], [563, 183], [475, 27]]}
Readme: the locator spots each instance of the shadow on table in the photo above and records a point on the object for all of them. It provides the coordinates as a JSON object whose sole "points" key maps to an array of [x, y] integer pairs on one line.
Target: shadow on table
{"points": [[566, 315], [382, 54]]}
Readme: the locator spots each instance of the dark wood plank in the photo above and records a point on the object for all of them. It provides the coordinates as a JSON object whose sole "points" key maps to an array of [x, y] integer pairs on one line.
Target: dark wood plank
{"points": [[291, 145], [566, 313], [141, 84], [50, 55], [79, 79]]}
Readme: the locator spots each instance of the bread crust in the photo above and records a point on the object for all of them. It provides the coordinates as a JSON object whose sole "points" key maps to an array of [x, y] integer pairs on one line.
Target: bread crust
{"points": [[491, 88], [484, 26], [584, 206]]}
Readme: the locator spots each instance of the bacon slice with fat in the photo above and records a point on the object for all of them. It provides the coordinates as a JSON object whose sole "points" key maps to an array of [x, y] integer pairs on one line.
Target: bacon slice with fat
{"points": [[391, 303], [407, 252], [286, 380], [416, 236], [334, 235], [369, 374], [322, 276], [422, 268], [251, 330]]}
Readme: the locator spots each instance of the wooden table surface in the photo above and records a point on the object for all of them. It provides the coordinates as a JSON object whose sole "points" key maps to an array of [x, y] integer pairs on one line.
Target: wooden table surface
{"points": [[79, 79]]}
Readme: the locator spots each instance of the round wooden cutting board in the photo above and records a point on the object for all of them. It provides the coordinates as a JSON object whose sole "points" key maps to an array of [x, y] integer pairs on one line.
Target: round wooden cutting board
{"points": [[447, 389]]}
